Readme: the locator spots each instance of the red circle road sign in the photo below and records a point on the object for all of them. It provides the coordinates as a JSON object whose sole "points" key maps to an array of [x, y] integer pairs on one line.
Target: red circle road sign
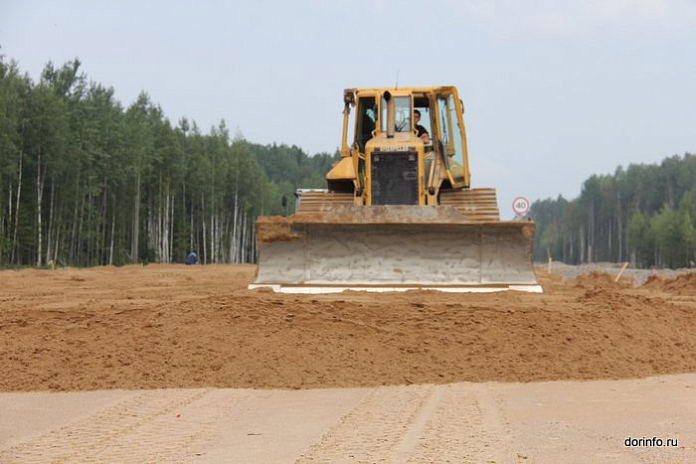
{"points": [[520, 206]]}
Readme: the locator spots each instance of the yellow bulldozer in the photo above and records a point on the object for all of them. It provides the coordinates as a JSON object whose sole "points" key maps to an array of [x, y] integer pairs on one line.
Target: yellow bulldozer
{"points": [[398, 212]]}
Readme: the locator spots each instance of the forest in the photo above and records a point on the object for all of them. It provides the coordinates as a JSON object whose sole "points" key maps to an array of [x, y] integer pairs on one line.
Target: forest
{"points": [[85, 181], [644, 214]]}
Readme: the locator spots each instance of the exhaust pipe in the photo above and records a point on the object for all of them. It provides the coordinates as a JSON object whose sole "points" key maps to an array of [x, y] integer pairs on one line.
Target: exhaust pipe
{"points": [[391, 114]]}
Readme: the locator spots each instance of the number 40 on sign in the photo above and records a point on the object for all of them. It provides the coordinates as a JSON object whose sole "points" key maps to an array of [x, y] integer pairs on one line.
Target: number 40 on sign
{"points": [[520, 206]]}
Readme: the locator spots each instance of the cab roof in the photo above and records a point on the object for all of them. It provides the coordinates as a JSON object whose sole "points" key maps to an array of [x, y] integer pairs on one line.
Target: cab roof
{"points": [[350, 94]]}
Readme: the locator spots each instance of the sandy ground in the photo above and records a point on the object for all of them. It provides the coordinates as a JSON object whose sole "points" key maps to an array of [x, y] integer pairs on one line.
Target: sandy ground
{"points": [[198, 327], [175, 363], [462, 422]]}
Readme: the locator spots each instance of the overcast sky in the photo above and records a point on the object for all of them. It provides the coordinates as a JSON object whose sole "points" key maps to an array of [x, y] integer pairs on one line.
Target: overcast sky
{"points": [[554, 90]]}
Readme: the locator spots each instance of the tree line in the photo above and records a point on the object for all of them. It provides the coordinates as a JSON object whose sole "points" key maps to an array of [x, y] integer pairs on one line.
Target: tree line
{"points": [[85, 181], [644, 214]]}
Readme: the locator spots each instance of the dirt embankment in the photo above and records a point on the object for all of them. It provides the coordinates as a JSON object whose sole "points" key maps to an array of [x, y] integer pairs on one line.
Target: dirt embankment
{"points": [[684, 284], [198, 326]]}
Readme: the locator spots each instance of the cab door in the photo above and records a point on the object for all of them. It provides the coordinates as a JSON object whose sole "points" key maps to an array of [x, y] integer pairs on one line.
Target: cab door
{"points": [[451, 136]]}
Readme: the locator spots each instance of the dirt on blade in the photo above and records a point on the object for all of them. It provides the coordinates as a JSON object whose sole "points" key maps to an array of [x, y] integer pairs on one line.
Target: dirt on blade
{"points": [[172, 326]]}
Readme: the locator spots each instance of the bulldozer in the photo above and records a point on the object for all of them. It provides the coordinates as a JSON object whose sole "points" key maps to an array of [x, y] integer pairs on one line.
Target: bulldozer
{"points": [[398, 212]]}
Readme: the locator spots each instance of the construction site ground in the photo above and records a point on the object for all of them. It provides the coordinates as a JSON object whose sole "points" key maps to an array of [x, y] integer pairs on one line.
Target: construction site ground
{"points": [[184, 364]]}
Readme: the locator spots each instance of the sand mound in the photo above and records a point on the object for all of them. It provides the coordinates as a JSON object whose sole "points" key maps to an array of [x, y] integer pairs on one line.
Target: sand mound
{"points": [[197, 326], [684, 284], [598, 279], [654, 282]]}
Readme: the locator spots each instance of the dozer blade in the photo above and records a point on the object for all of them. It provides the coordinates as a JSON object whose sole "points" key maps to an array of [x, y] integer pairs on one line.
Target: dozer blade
{"points": [[393, 248]]}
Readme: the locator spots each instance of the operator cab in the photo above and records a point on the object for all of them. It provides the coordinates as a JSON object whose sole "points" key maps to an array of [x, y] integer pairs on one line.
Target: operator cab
{"points": [[401, 146]]}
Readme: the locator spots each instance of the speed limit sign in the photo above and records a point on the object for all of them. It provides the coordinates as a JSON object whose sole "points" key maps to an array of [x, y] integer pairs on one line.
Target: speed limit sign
{"points": [[520, 206]]}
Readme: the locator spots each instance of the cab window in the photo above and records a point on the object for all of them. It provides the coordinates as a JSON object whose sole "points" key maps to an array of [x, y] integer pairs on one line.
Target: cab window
{"points": [[366, 121], [421, 104], [451, 134], [402, 115]]}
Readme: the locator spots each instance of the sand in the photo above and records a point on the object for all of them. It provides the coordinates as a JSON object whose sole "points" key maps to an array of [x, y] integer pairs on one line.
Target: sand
{"points": [[168, 363], [463, 422], [174, 326]]}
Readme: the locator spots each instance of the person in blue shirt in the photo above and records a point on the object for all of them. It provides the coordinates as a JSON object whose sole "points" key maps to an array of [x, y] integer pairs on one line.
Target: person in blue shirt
{"points": [[192, 258]]}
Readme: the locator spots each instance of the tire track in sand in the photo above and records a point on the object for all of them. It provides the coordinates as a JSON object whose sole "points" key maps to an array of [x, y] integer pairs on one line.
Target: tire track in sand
{"points": [[464, 426], [444, 423], [145, 428], [373, 429]]}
